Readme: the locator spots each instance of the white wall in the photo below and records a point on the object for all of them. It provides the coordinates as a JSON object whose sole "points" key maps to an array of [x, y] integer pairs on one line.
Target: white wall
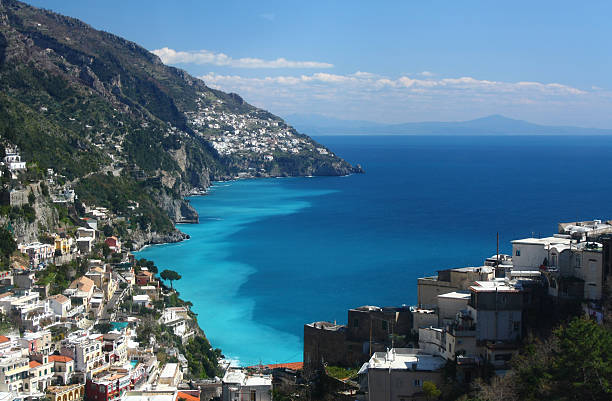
{"points": [[531, 256]]}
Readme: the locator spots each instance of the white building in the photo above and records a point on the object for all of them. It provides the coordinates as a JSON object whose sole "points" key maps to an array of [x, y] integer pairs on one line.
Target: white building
{"points": [[171, 375], [141, 300], [178, 320], [60, 305], [561, 257], [496, 309], [38, 252], [450, 304], [399, 374], [533, 253], [13, 160], [238, 385], [14, 369], [86, 351]]}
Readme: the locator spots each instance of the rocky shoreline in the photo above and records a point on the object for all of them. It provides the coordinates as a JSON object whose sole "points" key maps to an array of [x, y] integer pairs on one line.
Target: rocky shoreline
{"points": [[191, 215]]}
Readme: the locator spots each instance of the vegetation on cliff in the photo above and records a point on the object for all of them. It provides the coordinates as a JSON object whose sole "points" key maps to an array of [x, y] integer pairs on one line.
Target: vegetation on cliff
{"points": [[87, 103], [574, 363]]}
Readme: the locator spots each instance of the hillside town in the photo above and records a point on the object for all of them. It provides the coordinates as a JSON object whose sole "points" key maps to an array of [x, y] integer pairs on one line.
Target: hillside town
{"points": [[251, 134], [82, 318]]}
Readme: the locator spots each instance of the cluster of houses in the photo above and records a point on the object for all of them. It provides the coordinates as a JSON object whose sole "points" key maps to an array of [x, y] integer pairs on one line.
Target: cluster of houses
{"points": [[12, 161], [65, 247], [474, 317], [57, 350], [246, 134]]}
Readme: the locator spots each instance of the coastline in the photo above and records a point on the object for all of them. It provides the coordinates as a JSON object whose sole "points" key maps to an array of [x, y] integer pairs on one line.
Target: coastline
{"points": [[217, 296], [202, 192]]}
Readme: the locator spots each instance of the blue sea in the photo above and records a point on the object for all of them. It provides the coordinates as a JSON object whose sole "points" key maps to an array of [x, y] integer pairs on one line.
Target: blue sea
{"points": [[270, 255]]}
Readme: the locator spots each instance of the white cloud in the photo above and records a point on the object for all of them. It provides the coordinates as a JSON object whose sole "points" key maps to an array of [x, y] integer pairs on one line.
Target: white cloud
{"points": [[364, 95], [427, 74], [201, 57], [368, 81]]}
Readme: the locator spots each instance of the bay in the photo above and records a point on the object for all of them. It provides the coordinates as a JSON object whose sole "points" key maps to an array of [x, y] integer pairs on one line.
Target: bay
{"points": [[270, 255]]}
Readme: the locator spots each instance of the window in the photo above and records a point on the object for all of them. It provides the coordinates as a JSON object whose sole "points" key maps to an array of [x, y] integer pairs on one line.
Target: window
{"points": [[516, 326], [418, 383], [578, 261], [253, 395], [355, 322], [385, 325], [517, 253]]}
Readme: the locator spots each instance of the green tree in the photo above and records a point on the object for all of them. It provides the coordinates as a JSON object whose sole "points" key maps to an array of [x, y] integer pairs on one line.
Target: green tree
{"points": [[170, 275], [108, 230], [103, 327], [431, 390], [574, 363], [149, 264], [7, 245], [583, 365]]}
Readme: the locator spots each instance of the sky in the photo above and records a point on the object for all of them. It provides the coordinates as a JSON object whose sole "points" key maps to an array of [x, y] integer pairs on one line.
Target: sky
{"points": [[547, 62]]}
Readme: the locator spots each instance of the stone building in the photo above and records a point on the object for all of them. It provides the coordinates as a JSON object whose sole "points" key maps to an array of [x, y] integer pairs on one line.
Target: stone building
{"points": [[369, 329]]}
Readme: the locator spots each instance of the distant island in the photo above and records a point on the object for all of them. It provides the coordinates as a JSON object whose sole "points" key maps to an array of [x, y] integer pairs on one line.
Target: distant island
{"points": [[316, 124]]}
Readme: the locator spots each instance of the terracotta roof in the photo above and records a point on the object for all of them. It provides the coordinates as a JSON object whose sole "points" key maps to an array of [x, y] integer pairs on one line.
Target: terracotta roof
{"points": [[4, 339], [290, 365], [59, 358], [84, 284], [186, 397], [34, 364], [60, 298]]}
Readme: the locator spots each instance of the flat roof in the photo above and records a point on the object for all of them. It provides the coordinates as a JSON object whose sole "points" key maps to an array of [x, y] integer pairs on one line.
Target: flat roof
{"points": [[326, 326], [239, 376], [405, 359], [487, 269], [159, 395], [543, 241], [456, 295], [263, 380], [494, 285], [169, 370]]}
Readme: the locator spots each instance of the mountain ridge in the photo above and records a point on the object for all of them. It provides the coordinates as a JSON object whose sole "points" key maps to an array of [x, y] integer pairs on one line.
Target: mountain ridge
{"points": [[488, 125], [122, 128]]}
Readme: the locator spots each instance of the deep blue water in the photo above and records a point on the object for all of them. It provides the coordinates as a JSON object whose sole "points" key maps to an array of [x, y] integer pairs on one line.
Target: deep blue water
{"points": [[270, 255]]}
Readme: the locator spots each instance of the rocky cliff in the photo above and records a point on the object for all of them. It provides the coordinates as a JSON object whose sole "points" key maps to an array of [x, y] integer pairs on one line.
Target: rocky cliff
{"points": [[94, 107]]}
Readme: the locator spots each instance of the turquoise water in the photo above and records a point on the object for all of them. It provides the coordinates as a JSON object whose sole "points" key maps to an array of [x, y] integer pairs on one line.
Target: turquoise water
{"points": [[270, 255], [119, 325]]}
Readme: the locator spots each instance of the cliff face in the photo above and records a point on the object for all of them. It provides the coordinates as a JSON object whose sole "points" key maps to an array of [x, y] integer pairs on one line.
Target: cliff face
{"points": [[26, 228], [141, 238], [91, 105]]}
